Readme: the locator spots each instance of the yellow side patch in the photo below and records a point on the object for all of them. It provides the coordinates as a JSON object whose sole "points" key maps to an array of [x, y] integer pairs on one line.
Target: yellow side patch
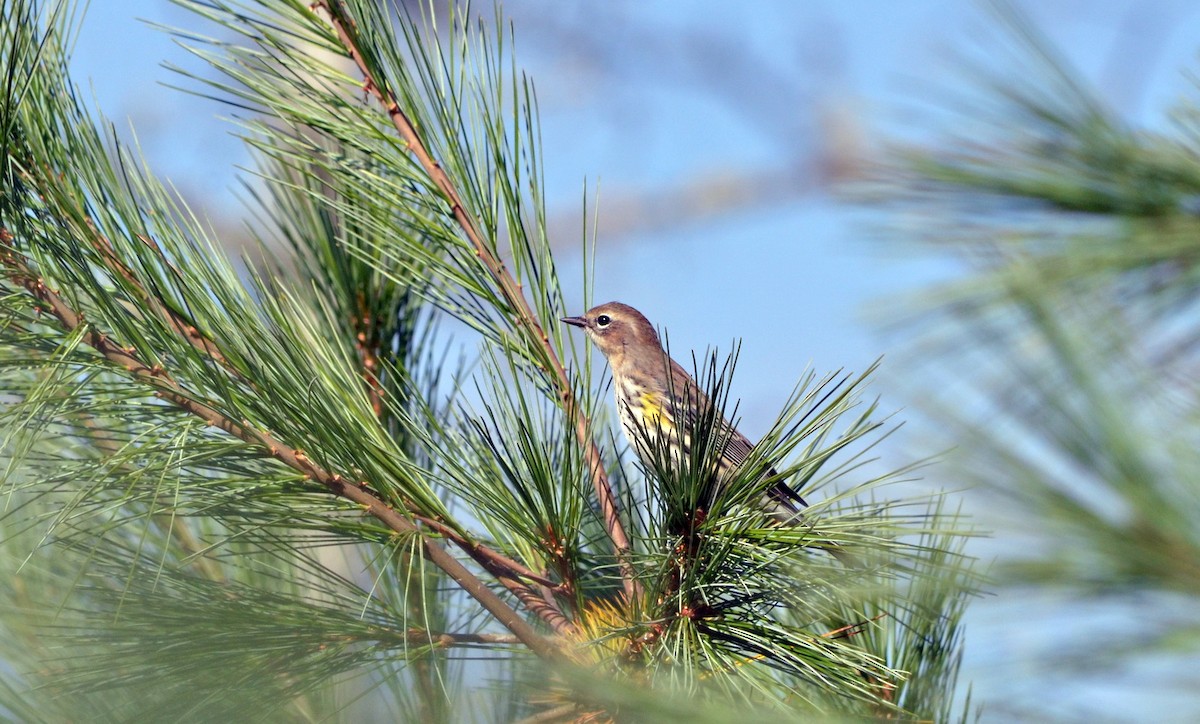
{"points": [[652, 412]]}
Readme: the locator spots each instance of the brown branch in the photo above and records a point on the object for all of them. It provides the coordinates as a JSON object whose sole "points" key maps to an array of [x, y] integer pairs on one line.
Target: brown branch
{"points": [[560, 713], [507, 570], [364, 329], [447, 640], [853, 629], [511, 290], [168, 389]]}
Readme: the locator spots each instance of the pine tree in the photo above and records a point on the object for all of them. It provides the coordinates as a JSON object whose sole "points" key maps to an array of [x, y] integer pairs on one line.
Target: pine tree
{"points": [[280, 491]]}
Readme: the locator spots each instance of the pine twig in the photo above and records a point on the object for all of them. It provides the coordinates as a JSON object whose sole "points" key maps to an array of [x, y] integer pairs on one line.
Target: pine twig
{"points": [[448, 640], [507, 570], [509, 287], [364, 326], [486, 556]]}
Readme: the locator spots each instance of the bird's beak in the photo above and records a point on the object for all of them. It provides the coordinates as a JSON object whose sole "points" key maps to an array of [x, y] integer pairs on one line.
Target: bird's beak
{"points": [[576, 321]]}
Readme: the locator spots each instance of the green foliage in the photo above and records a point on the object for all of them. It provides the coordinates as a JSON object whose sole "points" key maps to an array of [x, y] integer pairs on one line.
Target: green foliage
{"points": [[263, 492]]}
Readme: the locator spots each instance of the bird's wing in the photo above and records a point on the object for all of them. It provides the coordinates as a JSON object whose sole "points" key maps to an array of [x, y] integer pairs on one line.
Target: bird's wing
{"points": [[737, 447], [786, 501], [689, 404]]}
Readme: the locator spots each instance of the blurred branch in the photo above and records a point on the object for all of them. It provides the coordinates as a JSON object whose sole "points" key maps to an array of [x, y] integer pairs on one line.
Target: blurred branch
{"points": [[1060, 362], [448, 640], [794, 96]]}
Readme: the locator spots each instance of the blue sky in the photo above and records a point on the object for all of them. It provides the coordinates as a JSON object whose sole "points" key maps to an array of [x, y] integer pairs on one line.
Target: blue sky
{"points": [[795, 279]]}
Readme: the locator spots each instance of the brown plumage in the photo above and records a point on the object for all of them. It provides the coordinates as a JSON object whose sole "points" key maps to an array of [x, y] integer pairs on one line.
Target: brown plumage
{"points": [[656, 396]]}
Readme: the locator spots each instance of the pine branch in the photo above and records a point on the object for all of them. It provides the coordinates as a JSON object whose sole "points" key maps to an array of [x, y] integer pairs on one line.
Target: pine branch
{"points": [[511, 289], [507, 571], [170, 390]]}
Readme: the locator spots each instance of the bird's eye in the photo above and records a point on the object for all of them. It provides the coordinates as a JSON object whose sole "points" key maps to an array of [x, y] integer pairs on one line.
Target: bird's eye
{"points": [[603, 320]]}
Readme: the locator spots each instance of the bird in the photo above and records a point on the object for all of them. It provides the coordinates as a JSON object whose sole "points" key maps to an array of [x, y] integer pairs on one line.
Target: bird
{"points": [[660, 404]]}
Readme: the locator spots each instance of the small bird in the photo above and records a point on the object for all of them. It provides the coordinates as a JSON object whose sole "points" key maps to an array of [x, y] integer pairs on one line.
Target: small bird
{"points": [[659, 403]]}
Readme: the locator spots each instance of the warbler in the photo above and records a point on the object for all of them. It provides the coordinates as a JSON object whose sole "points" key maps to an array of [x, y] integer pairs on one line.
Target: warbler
{"points": [[659, 403]]}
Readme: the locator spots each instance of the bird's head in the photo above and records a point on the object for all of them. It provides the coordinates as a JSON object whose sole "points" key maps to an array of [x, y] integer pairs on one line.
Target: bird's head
{"points": [[616, 328]]}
